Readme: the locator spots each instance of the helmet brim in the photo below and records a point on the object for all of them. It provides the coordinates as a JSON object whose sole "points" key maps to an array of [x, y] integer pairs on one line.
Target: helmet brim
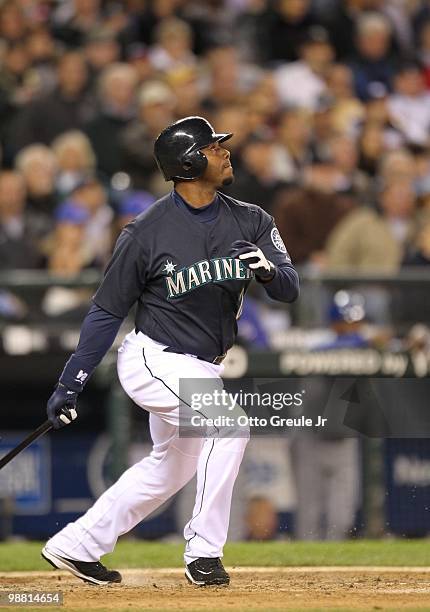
{"points": [[223, 137], [216, 138]]}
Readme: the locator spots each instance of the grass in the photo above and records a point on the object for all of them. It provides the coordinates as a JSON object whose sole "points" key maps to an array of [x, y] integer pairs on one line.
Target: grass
{"points": [[25, 556]]}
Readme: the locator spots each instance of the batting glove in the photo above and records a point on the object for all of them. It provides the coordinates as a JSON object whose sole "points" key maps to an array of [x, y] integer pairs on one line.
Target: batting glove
{"points": [[253, 258], [61, 407]]}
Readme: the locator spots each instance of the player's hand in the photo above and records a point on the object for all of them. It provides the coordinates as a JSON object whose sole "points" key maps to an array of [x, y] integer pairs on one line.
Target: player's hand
{"points": [[253, 258], [61, 407]]}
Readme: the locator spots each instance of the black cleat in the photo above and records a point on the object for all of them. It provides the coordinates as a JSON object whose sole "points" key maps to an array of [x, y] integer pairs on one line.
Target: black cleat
{"points": [[89, 571], [206, 572]]}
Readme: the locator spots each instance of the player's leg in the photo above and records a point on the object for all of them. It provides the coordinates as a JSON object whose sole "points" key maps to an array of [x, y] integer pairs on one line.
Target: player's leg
{"points": [[138, 492], [218, 466], [219, 461], [206, 532], [146, 485]]}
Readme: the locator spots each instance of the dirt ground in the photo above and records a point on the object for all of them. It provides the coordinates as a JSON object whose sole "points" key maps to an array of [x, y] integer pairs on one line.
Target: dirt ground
{"points": [[356, 588]]}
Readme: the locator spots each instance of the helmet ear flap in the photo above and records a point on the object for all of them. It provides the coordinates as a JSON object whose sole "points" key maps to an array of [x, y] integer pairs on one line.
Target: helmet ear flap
{"points": [[194, 164]]}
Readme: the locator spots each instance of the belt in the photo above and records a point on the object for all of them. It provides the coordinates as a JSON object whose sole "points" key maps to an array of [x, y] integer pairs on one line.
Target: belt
{"points": [[217, 360]]}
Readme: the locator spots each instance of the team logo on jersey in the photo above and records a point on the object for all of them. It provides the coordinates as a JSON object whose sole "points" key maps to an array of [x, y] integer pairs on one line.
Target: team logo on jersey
{"points": [[278, 243], [203, 272], [169, 268]]}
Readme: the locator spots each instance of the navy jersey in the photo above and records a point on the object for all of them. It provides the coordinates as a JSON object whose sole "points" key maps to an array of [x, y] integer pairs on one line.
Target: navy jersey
{"points": [[188, 290]]}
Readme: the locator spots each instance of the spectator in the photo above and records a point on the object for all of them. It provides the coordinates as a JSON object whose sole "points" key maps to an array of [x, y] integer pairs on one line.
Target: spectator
{"points": [[421, 157], [263, 104], [74, 20], [20, 232], [409, 106], [322, 128], [372, 147], [15, 91], [13, 26], [283, 29], [75, 159], [342, 24], [343, 155], [294, 136], [66, 108], [116, 93], [400, 16], [419, 253], [146, 20], [138, 58], [156, 103], [305, 217], [71, 251], [131, 205], [36, 164], [257, 181], [250, 31], [83, 231], [173, 45], [101, 49], [14, 74], [347, 111], [67, 254], [14, 66], [91, 196], [234, 119], [186, 88], [326, 463], [372, 64], [365, 240], [229, 80], [302, 83], [211, 22], [397, 165], [398, 204], [377, 111], [41, 50]]}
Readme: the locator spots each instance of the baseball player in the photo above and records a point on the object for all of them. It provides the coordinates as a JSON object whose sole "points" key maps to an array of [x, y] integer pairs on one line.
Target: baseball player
{"points": [[186, 262]]}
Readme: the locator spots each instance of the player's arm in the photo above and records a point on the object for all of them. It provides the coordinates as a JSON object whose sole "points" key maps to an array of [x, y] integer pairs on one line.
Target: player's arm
{"points": [[122, 285], [268, 258], [98, 332]]}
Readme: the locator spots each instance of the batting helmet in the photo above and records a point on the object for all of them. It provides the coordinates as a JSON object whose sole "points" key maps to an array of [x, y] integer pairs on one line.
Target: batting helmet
{"points": [[177, 148]]}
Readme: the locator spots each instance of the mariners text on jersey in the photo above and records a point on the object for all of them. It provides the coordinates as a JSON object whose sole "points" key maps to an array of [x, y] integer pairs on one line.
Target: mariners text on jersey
{"points": [[202, 272]]}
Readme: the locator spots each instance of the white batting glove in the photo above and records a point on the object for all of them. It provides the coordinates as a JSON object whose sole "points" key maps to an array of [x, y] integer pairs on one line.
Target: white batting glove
{"points": [[253, 258]]}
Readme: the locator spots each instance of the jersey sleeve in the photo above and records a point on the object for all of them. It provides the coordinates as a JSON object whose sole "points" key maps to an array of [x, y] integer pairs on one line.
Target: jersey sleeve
{"points": [[284, 286], [270, 242], [98, 331], [124, 277]]}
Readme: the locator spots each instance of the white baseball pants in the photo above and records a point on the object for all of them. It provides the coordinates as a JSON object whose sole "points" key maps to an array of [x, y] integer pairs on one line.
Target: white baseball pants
{"points": [[151, 378]]}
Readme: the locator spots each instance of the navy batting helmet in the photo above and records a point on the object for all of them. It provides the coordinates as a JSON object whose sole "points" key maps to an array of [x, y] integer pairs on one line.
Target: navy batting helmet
{"points": [[178, 148]]}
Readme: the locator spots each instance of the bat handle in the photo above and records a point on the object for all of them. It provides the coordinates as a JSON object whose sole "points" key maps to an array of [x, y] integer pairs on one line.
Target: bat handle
{"points": [[42, 429]]}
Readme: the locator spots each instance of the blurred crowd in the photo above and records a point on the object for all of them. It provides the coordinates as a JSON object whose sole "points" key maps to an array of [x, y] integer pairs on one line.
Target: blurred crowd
{"points": [[329, 102]]}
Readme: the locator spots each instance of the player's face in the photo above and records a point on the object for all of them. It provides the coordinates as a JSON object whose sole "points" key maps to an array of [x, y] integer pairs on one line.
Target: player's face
{"points": [[219, 171]]}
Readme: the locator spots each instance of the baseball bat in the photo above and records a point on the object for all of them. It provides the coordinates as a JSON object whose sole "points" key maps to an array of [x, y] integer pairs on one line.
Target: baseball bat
{"points": [[42, 429]]}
